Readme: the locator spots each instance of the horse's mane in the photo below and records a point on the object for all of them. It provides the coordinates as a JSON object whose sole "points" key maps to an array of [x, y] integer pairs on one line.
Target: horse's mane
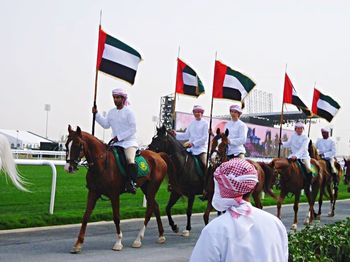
{"points": [[89, 136], [176, 142]]}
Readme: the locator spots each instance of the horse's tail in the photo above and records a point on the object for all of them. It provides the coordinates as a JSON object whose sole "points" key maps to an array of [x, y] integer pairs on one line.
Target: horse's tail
{"points": [[269, 178], [8, 165]]}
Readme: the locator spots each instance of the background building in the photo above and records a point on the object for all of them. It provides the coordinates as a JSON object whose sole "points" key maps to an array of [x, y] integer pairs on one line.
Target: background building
{"points": [[258, 101]]}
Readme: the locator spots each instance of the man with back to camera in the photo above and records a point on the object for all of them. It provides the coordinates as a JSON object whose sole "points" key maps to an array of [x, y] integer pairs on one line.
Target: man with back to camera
{"points": [[243, 232]]}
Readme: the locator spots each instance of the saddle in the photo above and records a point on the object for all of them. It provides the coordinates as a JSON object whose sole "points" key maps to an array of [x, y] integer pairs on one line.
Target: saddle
{"points": [[120, 159], [198, 165], [303, 170]]}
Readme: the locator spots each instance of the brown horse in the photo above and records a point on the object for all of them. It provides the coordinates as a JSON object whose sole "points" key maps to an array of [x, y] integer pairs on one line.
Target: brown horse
{"points": [[328, 182], [292, 181], [104, 178], [264, 172]]}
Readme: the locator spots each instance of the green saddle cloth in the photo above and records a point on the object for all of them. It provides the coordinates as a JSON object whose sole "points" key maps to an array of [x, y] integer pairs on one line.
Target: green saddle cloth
{"points": [[198, 166], [142, 165], [303, 169]]}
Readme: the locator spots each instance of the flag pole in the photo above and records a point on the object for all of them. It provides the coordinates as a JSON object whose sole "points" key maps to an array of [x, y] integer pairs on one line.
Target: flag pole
{"points": [[211, 117], [281, 118], [96, 78], [174, 105], [308, 133]]}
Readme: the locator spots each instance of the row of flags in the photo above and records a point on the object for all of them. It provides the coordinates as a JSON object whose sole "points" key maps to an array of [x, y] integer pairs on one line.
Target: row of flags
{"points": [[120, 60], [228, 83], [322, 105]]}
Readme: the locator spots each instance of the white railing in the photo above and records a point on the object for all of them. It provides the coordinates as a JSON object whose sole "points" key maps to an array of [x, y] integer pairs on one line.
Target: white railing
{"points": [[52, 164], [38, 154]]}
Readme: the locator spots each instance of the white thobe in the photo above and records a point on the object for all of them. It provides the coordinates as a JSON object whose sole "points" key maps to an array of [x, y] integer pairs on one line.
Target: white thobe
{"points": [[228, 239], [197, 134], [123, 124], [237, 135], [299, 146], [326, 147]]}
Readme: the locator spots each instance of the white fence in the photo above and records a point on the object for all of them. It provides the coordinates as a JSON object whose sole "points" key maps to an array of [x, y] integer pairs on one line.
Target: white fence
{"points": [[52, 164], [38, 154]]}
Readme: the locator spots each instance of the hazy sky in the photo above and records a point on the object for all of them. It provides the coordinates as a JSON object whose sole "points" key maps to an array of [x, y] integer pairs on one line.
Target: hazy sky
{"points": [[48, 56]]}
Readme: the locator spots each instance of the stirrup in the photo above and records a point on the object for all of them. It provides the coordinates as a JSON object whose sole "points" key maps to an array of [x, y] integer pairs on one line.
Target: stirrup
{"points": [[130, 187]]}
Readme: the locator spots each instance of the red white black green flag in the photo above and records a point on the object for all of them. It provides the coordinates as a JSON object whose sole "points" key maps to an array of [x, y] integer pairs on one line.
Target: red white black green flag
{"points": [[230, 84], [324, 106], [117, 58], [290, 96], [187, 80]]}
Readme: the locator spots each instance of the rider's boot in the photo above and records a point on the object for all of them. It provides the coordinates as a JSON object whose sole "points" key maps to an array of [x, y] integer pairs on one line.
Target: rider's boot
{"points": [[131, 171]]}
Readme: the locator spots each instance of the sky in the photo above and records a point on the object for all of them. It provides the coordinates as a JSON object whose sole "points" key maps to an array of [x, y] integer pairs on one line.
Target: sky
{"points": [[48, 56]]}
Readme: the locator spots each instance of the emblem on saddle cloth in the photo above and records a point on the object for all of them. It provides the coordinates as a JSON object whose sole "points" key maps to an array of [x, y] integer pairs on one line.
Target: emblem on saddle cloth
{"points": [[142, 165]]}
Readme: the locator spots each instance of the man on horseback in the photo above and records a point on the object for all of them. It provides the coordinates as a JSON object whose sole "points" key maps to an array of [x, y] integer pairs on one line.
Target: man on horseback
{"points": [[239, 234], [298, 143], [122, 121], [237, 133], [326, 149], [197, 135]]}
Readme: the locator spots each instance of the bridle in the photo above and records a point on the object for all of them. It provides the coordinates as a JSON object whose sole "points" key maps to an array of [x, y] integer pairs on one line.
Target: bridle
{"points": [[80, 153]]}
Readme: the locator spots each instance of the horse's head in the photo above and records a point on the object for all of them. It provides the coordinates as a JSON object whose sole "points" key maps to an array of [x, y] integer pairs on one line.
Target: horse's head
{"points": [[313, 151], [74, 149], [160, 140], [214, 155], [222, 147]]}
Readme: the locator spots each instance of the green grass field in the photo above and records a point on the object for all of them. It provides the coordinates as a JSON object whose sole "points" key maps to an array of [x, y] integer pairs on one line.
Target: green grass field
{"points": [[21, 209]]}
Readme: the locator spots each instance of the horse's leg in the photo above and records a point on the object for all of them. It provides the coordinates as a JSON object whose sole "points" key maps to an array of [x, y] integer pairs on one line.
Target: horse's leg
{"points": [[91, 202], [311, 198], [280, 200], [118, 246], [296, 208], [332, 199], [190, 201], [152, 206], [320, 198], [257, 200], [208, 209], [161, 238], [174, 196], [335, 195]]}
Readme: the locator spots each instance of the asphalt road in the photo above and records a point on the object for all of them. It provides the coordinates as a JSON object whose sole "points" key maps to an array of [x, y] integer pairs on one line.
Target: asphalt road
{"points": [[54, 243]]}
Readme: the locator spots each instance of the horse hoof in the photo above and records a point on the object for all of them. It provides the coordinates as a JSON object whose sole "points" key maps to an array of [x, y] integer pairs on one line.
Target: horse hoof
{"points": [[294, 227], [161, 240], [75, 250], [306, 222], [136, 244], [186, 233], [117, 247], [331, 214]]}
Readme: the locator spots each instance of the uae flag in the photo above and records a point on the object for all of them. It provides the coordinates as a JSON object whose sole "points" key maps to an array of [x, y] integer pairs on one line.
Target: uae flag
{"points": [[290, 96], [187, 80], [117, 58], [324, 106], [230, 84]]}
